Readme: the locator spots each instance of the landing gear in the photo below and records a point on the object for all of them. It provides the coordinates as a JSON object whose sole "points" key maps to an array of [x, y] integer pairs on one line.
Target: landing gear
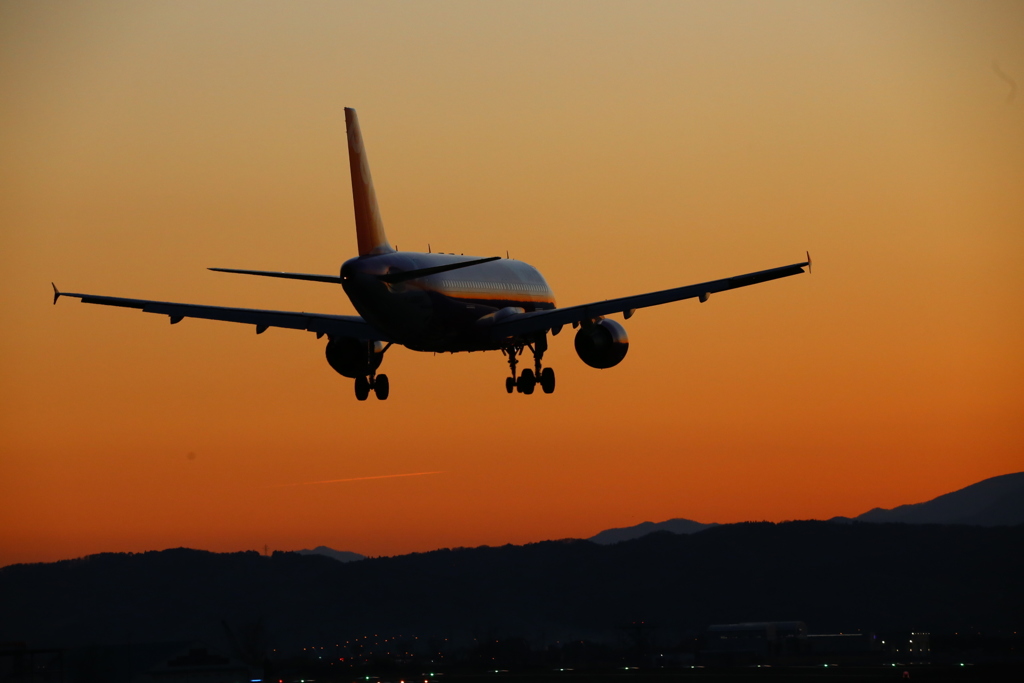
{"points": [[381, 387], [362, 388], [378, 383], [547, 380], [526, 382], [529, 379]]}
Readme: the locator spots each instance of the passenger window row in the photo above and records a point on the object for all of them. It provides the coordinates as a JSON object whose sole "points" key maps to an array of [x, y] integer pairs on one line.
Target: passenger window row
{"points": [[494, 286]]}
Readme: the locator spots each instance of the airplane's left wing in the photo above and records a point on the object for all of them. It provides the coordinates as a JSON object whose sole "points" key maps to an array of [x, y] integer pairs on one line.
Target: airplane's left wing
{"points": [[320, 323], [536, 321]]}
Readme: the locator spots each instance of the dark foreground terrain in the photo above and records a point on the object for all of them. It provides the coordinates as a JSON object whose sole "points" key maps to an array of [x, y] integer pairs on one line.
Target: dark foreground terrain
{"points": [[834, 577], [936, 673], [941, 603]]}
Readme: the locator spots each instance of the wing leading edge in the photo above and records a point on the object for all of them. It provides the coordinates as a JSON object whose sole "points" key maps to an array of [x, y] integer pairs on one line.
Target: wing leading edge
{"points": [[537, 321], [333, 325]]}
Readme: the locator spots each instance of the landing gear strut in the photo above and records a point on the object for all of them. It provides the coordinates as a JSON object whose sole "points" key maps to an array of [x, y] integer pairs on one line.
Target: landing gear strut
{"points": [[528, 379], [378, 383]]}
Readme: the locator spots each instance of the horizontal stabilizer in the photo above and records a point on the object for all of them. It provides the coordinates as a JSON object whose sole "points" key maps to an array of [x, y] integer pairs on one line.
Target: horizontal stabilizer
{"points": [[286, 276], [405, 275]]}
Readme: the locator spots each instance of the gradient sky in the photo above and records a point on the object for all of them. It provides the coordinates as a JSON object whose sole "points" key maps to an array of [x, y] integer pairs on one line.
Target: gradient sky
{"points": [[620, 147]]}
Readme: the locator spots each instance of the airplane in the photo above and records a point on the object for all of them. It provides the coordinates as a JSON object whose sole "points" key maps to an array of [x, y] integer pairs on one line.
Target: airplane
{"points": [[441, 303]]}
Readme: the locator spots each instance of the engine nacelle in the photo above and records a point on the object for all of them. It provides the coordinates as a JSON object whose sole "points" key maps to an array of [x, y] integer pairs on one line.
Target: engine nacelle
{"points": [[602, 344], [353, 358]]}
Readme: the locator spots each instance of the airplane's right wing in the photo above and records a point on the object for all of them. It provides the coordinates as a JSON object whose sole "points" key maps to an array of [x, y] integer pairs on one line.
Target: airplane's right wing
{"points": [[536, 321], [321, 323]]}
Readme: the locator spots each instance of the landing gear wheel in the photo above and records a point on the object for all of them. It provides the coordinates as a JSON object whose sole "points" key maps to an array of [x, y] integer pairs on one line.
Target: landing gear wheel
{"points": [[510, 384], [526, 382], [382, 387], [547, 380], [362, 388]]}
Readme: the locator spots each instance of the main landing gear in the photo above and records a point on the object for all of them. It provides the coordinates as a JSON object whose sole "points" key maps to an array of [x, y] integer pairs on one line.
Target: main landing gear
{"points": [[379, 384], [529, 379]]}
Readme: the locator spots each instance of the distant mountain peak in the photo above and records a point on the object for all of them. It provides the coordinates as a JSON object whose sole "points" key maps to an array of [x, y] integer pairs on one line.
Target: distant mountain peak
{"points": [[339, 555], [675, 526], [997, 501]]}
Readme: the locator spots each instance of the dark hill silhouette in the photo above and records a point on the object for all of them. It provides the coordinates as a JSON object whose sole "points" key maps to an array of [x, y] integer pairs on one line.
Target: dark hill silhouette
{"points": [[998, 501], [992, 502], [339, 555], [675, 526], [835, 577]]}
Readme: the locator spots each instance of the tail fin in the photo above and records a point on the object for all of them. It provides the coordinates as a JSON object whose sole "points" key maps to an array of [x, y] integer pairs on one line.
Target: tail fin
{"points": [[369, 226]]}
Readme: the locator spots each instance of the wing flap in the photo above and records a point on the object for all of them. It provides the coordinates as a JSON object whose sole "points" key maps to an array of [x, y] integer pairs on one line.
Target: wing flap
{"points": [[536, 321], [334, 325]]}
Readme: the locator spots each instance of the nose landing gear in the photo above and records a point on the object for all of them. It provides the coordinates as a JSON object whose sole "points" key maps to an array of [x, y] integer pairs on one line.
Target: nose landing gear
{"points": [[529, 379]]}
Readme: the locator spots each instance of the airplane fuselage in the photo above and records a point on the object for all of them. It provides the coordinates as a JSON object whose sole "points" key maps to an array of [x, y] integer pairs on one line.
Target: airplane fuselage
{"points": [[443, 312]]}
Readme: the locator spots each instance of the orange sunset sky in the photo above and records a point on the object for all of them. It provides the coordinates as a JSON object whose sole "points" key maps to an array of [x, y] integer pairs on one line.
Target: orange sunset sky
{"points": [[620, 147]]}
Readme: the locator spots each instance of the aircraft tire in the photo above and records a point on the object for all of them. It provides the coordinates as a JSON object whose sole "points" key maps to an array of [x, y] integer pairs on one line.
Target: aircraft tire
{"points": [[381, 387], [510, 385], [547, 380], [362, 388], [527, 382]]}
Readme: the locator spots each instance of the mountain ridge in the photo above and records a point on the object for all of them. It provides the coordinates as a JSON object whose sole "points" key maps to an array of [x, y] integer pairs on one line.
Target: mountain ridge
{"points": [[678, 525], [339, 555], [996, 501]]}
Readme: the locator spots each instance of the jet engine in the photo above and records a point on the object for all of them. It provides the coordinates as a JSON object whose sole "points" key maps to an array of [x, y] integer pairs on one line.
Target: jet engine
{"points": [[353, 358], [602, 343]]}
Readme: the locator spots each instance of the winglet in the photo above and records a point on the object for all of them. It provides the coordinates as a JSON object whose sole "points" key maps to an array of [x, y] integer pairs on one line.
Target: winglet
{"points": [[56, 293], [809, 269]]}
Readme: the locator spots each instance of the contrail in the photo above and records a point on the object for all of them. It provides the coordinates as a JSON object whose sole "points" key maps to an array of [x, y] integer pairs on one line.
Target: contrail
{"points": [[379, 476]]}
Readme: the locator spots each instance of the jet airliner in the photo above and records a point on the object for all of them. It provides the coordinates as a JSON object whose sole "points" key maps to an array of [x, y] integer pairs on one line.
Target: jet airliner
{"points": [[440, 303]]}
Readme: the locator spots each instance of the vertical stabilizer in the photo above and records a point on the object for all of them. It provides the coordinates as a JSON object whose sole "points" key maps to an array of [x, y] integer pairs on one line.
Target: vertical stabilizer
{"points": [[369, 226]]}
